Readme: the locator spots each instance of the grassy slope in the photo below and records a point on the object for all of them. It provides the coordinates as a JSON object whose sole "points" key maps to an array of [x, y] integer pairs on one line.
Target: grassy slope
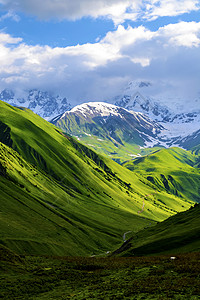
{"points": [[177, 234], [58, 196], [196, 149], [39, 217], [174, 170]]}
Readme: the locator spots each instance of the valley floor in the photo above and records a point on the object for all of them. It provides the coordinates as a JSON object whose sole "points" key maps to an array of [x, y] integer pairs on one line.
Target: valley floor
{"points": [[158, 277]]}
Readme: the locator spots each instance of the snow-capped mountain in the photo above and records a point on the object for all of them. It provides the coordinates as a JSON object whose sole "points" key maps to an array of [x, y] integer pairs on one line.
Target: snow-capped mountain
{"points": [[111, 117], [135, 97], [43, 103], [178, 122], [110, 129], [141, 97], [137, 102], [190, 141]]}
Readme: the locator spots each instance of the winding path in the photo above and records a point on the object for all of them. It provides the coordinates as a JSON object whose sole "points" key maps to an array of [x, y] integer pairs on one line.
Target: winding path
{"points": [[140, 211], [124, 235]]}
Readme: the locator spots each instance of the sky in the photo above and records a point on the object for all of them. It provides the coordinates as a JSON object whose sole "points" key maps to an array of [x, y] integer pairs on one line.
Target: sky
{"points": [[89, 50]]}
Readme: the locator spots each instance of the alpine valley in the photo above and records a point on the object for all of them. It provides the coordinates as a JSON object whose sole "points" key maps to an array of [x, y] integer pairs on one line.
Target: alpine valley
{"points": [[82, 201], [99, 183], [100, 150]]}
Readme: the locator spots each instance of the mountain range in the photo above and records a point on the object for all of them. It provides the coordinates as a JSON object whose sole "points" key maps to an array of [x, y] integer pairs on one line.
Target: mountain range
{"points": [[59, 176], [164, 107], [43, 103], [137, 96], [124, 134], [115, 134], [182, 123]]}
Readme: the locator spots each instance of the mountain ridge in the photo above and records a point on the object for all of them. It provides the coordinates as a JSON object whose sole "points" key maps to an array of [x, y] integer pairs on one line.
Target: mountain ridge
{"points": [[43, 103]]}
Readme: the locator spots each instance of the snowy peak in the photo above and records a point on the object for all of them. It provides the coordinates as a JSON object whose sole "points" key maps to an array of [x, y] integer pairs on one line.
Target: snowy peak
{"points": [[137, 85], [41, 102], [7, 95], [137, 102], [142, 97], [178, 122], [92, 110], [136, 97], [109, 118], [95, 109]]}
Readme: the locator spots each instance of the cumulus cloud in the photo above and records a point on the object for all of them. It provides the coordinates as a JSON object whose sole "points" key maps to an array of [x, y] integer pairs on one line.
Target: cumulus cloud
{"points": [[7, 39], [162, 8], [169, 57], [182, 34], [117, 10]]}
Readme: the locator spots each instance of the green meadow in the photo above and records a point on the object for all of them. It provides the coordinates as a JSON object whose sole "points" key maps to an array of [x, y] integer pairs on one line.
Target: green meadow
{"points": [[80, 278]]}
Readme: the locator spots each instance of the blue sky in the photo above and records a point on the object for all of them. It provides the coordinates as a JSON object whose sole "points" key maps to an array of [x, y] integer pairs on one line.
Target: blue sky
{"points": [[62, 33], [57, 33], [100, 46]]}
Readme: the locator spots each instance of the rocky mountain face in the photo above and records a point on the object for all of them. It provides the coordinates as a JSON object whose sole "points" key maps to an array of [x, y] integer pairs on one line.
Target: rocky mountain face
{"points": [[154, 110], [190, 141], [137, 102], [137, 97], [180, 125], [43, 103]]}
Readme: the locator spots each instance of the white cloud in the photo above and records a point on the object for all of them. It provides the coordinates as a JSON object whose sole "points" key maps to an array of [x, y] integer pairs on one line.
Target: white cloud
{"points": [[182, 34], [143, 61], [96, 71], [10, 15], [117, 10], [7, 39], [67, 9], [162, 8]]}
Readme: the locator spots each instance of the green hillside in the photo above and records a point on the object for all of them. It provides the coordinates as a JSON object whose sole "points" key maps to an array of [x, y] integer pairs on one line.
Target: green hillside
{"points": [[59, 197], [174, 170], [177, 234], [38, 215], [196, 149]]}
